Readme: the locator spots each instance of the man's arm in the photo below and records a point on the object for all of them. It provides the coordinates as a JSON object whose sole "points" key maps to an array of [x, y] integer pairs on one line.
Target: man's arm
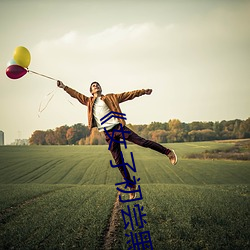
{"points": [[132, 94], [80, 97]]}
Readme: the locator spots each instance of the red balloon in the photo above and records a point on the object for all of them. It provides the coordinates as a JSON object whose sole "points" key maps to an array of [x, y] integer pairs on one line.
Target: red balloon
{"points": [[15, 71]]}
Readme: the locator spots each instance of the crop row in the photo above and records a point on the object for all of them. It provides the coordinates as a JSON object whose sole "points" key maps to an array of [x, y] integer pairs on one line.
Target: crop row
{"points": [[65, 218]]}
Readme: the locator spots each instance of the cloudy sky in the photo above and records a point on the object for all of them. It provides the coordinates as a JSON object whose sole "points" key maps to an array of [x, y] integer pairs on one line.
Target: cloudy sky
{"points": [[195, 55]]}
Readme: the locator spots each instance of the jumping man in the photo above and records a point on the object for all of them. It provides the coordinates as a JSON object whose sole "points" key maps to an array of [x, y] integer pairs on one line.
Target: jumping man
{"points": [[100, 105]]}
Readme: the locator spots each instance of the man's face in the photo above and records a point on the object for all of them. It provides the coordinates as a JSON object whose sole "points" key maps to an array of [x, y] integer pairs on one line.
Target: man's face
{"points": [[95, 87]]}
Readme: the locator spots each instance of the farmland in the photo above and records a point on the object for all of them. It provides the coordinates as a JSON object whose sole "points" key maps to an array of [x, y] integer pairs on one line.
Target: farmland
{"points": [[62, 197]]}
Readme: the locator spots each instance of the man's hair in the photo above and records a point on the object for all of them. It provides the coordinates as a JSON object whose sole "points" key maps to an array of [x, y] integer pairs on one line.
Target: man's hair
{"points": [[91, 86]]}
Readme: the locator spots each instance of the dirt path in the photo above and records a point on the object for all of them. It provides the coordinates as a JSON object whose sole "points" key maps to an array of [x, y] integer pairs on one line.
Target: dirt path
{"points": [[112, 230]]}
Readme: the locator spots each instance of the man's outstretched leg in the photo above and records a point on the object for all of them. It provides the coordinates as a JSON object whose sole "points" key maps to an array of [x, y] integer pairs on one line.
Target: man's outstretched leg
{"points": [[133, 137]]}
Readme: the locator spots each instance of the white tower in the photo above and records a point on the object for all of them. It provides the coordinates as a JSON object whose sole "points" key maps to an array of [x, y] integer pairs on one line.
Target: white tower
{"points": [[1, 138]]}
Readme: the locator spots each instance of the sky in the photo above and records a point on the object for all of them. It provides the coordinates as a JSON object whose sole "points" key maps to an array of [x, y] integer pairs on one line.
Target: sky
{"points": [[195, 55]]}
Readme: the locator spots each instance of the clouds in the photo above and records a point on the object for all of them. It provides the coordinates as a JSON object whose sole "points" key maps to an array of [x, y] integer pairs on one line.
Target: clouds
{"points": [[183, 53], [120, 36], [121, 45], [117, 38], [116, 48], [213, 41]]}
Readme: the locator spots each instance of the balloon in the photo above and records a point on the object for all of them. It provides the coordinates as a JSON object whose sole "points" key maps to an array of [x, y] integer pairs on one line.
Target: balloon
{"points": [[11, 62], [22, 56], [15, 71]]}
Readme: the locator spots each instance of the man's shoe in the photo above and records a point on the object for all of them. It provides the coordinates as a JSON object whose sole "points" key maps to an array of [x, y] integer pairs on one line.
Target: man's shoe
{"points": [[172, 157], [132, 195]]}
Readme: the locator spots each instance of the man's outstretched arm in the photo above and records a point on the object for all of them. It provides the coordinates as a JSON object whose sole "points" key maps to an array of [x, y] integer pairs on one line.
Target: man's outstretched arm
{"points": [[132, 94], [80, 97]]}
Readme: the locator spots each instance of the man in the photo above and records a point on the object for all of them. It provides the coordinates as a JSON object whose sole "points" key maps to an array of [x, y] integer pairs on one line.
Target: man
{"points": [[100, 105]]}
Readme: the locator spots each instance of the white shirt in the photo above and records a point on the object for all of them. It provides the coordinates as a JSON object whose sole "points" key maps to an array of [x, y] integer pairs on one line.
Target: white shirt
{"points": [[100, 109]]}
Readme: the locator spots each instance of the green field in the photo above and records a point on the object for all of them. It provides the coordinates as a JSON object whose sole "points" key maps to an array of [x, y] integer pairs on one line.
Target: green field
{"points": [[62, 197]]}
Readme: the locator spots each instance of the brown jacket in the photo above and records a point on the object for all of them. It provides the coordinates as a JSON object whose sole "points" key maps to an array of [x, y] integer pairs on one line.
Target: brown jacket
{"points": [[111, 100]]}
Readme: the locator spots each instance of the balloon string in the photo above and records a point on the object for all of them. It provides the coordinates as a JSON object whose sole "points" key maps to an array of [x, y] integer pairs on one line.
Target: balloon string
{"points": [[50, 96], [31, 71], [71, 103]]}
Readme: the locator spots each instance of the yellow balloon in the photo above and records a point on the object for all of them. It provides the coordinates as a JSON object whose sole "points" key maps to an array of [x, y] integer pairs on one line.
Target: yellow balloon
{"points": [[22, 56]]}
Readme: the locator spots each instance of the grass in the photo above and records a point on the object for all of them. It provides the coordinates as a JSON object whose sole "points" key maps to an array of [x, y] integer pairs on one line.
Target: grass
{"points": [[56, 165], [240, 150], [197, 217], [67, 217], [61, 197]]}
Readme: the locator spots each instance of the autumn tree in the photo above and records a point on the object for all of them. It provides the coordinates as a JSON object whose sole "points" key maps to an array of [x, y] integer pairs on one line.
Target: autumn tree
{"points": [[76, 133], [159, 135], [70, 136], [157, 126], [175, 133], [60, 134], [202, 135], [245, 129], [50, 137], [38, 138], [96, 138]]}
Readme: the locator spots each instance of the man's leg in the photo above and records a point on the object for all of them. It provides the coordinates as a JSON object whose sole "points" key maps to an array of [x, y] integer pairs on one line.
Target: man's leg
{"points": [[133, 137], [115, 150]]}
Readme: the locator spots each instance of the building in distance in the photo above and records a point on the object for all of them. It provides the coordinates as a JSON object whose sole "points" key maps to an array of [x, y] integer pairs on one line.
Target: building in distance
{"points": [[1, 138]]}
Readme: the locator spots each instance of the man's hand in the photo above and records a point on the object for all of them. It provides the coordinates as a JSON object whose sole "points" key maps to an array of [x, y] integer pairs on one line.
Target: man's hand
{"points": [[148, 91], [60, 84]]}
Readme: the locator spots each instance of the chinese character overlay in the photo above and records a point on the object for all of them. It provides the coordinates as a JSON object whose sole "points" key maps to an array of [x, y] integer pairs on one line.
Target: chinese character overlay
{"points": [[144, 242], [115, 116], [141, 240], [113, 133], [123, 164], [138, 216]]}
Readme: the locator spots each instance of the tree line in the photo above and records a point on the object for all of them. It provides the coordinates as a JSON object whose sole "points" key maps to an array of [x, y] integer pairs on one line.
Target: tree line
{"points": [[172, 131]]}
